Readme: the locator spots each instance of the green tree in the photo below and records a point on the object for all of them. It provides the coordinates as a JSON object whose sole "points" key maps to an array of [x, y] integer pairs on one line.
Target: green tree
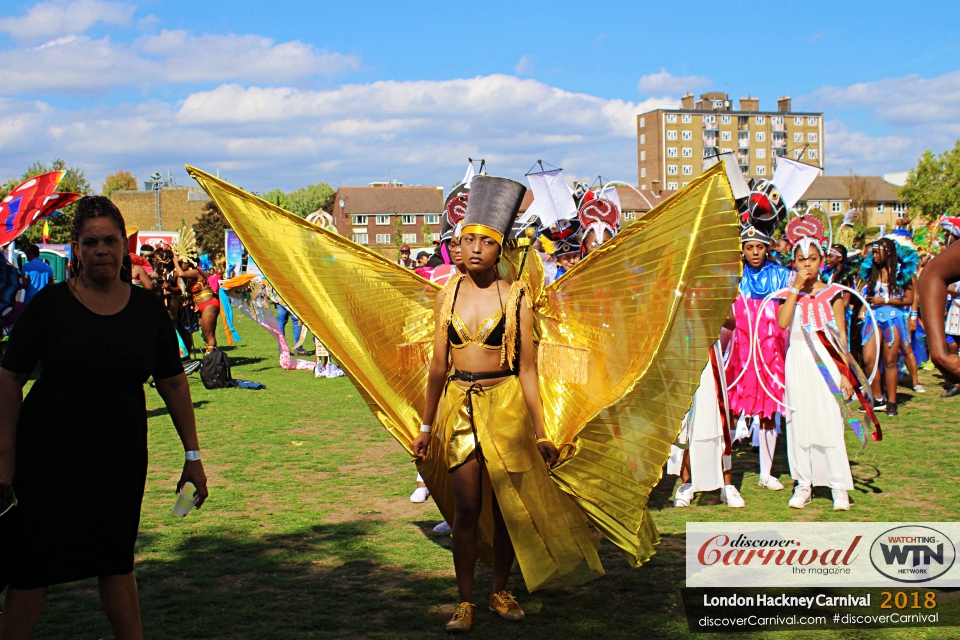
{"points": [[427, 233], [73, 181], [209, 228], [119, 181], [933, 186], [398, 234], [305, 201], [277, 197]]}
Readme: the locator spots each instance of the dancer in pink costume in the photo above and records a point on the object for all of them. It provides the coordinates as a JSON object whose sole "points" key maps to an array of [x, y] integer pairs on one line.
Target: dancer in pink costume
{"points": [[756, 362]]}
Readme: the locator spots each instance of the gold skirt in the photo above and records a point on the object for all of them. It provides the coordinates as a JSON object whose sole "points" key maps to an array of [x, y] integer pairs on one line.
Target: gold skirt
{"points": [[554, 545]]}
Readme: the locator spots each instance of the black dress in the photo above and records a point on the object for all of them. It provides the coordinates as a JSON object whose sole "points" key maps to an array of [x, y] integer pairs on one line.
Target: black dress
{"points": [[81, 448]]}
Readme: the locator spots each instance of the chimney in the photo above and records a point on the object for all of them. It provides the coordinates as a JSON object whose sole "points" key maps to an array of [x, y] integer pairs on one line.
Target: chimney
{"points": [[749, 104], [686, 102], [783, 104], [656, 187]]}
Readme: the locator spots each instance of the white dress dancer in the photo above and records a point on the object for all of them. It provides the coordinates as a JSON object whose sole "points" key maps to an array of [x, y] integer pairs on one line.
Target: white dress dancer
{"points": [[815, 444], [707, 439]]}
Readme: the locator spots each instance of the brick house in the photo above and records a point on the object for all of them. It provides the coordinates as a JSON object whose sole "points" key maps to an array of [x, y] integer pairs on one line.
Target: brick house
{"points": [[830, 194], [368, 215]]}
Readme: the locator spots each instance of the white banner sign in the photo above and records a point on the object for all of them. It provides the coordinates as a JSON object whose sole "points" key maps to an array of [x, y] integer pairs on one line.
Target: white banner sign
{"points": [[822, 554]]}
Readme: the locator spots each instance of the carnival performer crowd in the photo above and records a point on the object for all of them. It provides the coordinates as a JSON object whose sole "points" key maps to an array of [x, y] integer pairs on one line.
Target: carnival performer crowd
{"points": [[822, 330]]}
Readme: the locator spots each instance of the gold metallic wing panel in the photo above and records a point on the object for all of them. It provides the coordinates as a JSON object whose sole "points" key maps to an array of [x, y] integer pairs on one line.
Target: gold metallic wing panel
{"points": [[646, 307], [359, 304]]}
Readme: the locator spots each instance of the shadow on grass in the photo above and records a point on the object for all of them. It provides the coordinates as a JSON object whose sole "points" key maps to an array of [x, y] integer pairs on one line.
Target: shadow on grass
{"points": [[162, 410], [332, 581], [241, 361]]}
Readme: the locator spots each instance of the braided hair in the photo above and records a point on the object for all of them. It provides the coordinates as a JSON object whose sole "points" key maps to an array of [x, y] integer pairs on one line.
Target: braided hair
{"points": [[88, 208], [891, 263]]}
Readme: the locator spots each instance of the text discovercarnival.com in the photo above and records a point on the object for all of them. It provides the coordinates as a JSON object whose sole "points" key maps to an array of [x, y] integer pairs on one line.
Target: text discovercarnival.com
{"points": [[763, 575]]}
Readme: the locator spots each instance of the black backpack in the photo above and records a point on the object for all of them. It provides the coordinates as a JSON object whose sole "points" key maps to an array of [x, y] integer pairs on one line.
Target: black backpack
{"points": [[215, 370]]}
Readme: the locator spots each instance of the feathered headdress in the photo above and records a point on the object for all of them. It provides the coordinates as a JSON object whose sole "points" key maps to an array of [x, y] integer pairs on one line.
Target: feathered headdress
{"points": [[185, 246], [907, 261]]}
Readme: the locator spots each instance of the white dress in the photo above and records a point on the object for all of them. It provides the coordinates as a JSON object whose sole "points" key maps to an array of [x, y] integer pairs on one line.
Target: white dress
{"points": [[703, 432], [815, 444]]}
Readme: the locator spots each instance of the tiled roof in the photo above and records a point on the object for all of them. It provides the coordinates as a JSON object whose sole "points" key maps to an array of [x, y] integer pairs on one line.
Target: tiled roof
{"points": [[374, 200], [835, 188]]}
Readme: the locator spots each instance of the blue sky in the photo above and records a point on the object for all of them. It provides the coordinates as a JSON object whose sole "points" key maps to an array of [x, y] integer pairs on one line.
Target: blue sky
{"points": [[352, 92]]}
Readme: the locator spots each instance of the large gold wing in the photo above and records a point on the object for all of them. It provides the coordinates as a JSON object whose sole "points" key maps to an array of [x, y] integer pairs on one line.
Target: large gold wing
{"points": [[359, 304], [638, 317]]}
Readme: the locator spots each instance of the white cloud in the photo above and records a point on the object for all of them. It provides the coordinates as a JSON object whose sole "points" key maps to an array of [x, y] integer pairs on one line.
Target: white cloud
{"points": [[867, 155], [665, 84], [83, 64], [525, 66], [260, 137], [47, 20]]}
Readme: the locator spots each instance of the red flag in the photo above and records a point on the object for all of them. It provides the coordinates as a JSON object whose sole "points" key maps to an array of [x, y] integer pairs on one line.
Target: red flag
{"points": [[31, 201]]}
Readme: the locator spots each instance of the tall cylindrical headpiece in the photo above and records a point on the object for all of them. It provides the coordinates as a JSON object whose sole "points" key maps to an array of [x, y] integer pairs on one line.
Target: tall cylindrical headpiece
{"points": [[492, 207]]}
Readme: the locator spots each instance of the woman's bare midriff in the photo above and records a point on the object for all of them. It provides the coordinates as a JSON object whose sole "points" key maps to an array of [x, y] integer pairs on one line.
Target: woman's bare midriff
{"points": [[475, 359]]}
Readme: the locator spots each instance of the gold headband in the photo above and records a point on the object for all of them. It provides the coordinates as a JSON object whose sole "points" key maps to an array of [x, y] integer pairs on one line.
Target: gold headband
{"points": [[482, 230]]}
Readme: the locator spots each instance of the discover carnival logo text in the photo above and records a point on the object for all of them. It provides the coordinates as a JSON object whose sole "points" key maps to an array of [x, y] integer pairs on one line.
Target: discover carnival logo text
{"points": [[821, 554]]}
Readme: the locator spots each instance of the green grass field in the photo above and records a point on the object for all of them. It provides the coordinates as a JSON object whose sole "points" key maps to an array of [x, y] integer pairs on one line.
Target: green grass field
{"points": [[309, 532]]}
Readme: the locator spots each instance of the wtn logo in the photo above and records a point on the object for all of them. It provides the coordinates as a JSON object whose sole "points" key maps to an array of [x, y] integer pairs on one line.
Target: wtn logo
{"points": [[921, 553], [912, 553]]}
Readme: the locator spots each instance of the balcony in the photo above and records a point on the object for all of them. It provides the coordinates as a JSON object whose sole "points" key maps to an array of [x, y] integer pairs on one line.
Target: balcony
{"points": [[779, 143], [744, 143], [711, 126], [779, 127]]}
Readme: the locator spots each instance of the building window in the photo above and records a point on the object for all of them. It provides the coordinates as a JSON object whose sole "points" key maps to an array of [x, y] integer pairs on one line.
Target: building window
{"points": [[671, 152], [812, 154], [710, 119], [811, 137], [726, 136], [629, 215], [643, 173], [688, 169], [726, 150], [408, 218], [671, 135], [383, 219], [899, 207], [761, 170], [798, 137], [776, 120], [725, 119], [643, 138], [671, 186], [643, 122], [761, 153], [687, 152], [671, 169], [643, 156], [797, 154], [684, 184], [359, 220], [383, 238], [409, 238], [671, 118], [686, 118], [686, 135], [879, 207], [761, 136], [361, 238], [431, 218], [761, 120], [834, 207], [798, 120], [811, 121]]}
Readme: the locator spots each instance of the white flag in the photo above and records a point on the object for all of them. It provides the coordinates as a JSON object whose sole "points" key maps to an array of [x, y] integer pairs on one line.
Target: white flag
{"points": [[471, 171], [738, 184], [610, 193], [792, 179], [551, 197]]}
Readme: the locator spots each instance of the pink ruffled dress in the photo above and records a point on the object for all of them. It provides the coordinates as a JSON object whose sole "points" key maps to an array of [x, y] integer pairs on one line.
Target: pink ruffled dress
{"points": [[766, 363]]}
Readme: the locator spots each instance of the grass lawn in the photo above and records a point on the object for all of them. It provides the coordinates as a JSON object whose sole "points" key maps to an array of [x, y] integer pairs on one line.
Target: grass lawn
{"points": [[309, 532]]}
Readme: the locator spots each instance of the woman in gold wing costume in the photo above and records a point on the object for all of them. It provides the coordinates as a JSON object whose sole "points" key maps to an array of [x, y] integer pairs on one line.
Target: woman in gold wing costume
{"points": [[616, 374], [490, 421]]}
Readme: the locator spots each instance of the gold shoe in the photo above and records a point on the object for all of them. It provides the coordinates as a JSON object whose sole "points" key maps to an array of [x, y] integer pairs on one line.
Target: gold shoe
{"points": [[462, 618], [505, 604]]}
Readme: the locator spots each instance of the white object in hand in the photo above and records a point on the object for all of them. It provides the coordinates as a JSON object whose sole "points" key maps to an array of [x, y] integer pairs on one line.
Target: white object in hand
{"points": [[185, 500]]}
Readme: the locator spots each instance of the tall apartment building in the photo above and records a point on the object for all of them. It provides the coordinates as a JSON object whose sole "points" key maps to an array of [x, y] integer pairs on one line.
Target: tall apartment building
{"points": [[671, 142]]}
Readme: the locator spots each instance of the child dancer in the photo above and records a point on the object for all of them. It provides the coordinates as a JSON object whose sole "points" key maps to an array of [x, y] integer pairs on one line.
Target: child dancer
{"points": [[820, 374]]}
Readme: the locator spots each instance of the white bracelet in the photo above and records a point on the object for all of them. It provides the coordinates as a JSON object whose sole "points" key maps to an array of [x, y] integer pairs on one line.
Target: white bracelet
{"points": [[425, 428], [192, 456], [795, 290], [886, 299]]}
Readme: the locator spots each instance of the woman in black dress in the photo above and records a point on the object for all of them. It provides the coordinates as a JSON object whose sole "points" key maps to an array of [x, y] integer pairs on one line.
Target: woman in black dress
{"points": [[75, 450]]}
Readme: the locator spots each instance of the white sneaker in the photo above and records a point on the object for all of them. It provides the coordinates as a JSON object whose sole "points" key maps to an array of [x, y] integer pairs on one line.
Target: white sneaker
{"points": [[420, 494], [802, 496], [841, 501], [443, 527], [771, 483], [732, 497], [684, 495], [919, 389]]}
